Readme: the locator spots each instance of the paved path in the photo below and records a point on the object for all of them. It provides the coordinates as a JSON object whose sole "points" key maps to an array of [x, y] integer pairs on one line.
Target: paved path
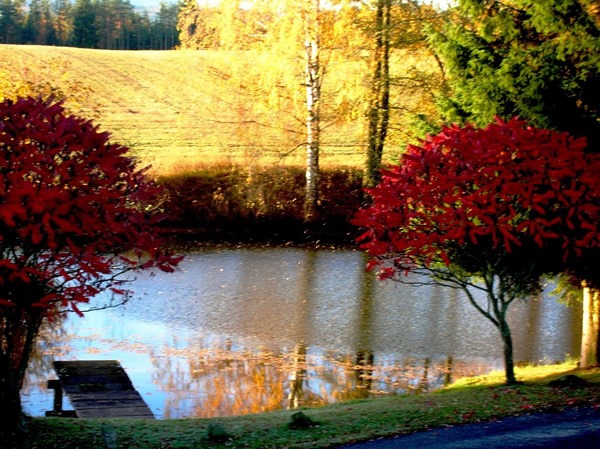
{"points": [[571, 429]]}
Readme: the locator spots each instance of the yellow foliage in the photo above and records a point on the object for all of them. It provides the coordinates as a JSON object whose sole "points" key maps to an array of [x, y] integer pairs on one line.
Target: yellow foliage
{"points": [[49, 79]]}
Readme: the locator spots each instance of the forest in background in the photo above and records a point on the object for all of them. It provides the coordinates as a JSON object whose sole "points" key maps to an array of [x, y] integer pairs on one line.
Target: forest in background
{"points": [[280, 85], [106, 24]]}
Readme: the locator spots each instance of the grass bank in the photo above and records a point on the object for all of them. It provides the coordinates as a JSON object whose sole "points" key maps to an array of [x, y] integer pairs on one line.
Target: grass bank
{"points": [[469, 400]]}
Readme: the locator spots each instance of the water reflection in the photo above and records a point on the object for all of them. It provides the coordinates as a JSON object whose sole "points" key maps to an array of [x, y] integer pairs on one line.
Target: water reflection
{"points": [[239, 331]]}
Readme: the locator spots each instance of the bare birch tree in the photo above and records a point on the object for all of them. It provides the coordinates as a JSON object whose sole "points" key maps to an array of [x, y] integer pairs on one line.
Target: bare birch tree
{"points": [[312, 43]]}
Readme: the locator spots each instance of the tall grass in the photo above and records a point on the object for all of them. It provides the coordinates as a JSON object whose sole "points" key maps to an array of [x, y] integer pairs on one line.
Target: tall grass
{"points": [[231, 201]]}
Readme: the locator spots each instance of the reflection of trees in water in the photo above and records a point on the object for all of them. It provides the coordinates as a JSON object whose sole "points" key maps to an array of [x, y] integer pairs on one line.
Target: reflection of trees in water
{"points": [[401, 375], [364, 361], [297, 378], [207, 376], [51, 342], [219, 379], [214, 379]]}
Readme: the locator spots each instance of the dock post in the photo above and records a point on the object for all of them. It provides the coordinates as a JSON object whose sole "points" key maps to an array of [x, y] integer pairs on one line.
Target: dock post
{"points": [[58, 395]]}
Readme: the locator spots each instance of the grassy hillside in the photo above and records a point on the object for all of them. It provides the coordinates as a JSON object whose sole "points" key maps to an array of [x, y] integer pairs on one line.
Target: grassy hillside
{"points": [[173, 108]]}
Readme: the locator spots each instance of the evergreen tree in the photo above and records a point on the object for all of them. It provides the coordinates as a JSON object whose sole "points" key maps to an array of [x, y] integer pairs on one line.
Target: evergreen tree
{"points": [[38, 28], [33, 23], [12, 18], [538, 59], [63, 21], [85, 30], [141, 29], [47, 35], [165, 26]]}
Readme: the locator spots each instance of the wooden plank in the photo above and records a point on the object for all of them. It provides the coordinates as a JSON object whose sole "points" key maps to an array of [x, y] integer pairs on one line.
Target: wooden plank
{"points": [[100, 389]]}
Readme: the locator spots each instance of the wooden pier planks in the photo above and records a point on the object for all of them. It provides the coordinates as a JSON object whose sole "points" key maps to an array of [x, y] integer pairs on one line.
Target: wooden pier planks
{"points": [[100, 389]]}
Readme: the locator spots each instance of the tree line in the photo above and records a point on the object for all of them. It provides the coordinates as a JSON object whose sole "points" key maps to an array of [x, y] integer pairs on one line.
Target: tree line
{"points": [[104, 24]]}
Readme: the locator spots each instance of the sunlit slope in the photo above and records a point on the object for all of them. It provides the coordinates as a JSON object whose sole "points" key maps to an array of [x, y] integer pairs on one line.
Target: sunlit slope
{"points": [[175, 109]]}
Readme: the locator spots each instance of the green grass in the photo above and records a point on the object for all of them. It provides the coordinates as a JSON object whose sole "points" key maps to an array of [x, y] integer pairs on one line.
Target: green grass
{"points": [[469, 400]]}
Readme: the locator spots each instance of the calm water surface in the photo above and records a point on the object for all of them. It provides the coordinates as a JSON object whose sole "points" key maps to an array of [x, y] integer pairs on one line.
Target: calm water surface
{"points": [[247, 330]]}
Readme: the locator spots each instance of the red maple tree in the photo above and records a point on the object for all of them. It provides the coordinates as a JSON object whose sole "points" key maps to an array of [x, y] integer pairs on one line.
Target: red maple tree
{"points": [[75, 215], [489, 210]]}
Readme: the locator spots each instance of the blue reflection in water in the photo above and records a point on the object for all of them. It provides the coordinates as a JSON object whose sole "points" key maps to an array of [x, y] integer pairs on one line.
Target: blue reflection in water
{"points": [[253, 329]]}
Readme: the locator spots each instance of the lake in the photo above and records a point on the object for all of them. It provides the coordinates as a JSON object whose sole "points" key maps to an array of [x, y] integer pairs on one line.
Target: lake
{"points": [[241, 330]]}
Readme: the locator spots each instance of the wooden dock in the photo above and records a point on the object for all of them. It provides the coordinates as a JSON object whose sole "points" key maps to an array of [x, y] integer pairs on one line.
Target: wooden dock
{"points": [[97, 389]]}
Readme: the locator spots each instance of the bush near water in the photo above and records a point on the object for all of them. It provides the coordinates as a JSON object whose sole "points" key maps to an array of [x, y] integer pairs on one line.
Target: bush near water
{"points": [[262, 203]]}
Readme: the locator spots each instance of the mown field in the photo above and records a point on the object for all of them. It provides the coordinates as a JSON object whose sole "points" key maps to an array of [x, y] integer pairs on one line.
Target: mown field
{"points": [[174, 109]]}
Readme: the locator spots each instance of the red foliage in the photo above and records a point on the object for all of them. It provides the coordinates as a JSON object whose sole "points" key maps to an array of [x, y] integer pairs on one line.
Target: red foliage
{"points": [[73, 209], [506, 187]]}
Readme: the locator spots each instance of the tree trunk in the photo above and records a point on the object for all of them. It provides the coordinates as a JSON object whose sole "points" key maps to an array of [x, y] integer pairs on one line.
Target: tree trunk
{"points": [[18, 332], [313, 101], [590, 336], [379, 108], [10, 397], [509, 364]]}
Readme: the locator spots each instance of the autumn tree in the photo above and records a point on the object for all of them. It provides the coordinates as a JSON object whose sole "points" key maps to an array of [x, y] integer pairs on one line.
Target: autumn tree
{"points": [[378, 113], [489, 211], [536, 59], [76, 215], [291, 45], [194, 26], [313, 73], [63, 21], [404, 75]]}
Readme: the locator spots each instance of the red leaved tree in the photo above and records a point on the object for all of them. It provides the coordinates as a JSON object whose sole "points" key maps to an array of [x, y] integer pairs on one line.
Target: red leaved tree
{"points": [[75, 215], [489, 210]]}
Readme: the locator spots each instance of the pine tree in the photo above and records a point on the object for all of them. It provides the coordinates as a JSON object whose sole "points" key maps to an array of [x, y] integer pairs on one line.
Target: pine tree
{"points": [[165, 26], [63, 21], [12, 18], [537, 59], [85, 30]]}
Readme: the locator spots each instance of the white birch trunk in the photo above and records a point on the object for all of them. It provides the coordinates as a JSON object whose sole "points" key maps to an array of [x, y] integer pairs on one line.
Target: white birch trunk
{"points": [[313, 101]]}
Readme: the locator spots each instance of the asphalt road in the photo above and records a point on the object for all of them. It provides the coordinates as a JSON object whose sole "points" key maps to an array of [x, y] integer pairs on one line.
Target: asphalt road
{"points": [[572, 429]]}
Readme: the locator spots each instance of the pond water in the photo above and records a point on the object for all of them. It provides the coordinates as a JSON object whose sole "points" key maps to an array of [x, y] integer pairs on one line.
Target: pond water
{"points": [[245, 330]]}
